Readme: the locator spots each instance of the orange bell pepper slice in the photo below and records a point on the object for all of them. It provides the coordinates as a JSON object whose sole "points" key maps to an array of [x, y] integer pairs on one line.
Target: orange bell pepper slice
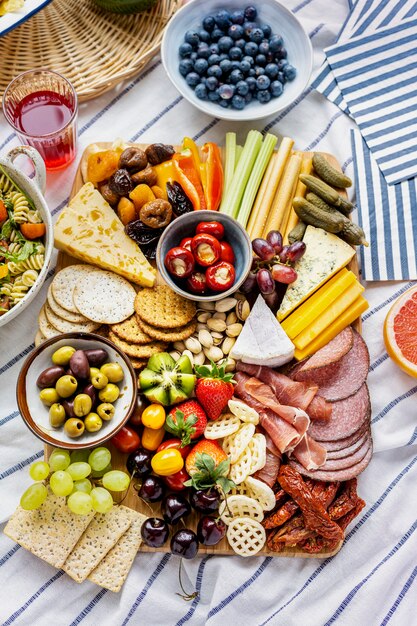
{"points": [[185, 161], [213, 176], [3, 212]]}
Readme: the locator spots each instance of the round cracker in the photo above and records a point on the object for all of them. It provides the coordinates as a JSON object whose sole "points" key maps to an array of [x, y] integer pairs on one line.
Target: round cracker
{"points": [[104, 297], [163, 308], [64, 283], [39, 338], [59, 310], [135, 350], [68, 327], [46, 328], [168, 335], [131, 331], [138, 364]]}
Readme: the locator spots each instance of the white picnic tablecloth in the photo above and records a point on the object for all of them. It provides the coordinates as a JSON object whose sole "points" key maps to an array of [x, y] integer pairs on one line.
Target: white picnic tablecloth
{"points": [[369, 582]]}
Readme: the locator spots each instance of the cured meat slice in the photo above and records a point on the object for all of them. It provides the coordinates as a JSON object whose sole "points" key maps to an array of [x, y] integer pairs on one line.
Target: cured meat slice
{"points": [[330, 353], [347, 417], [287, 391], [268, 474], [338, 464], [343, 474], [340, 380], [339, 444], [340, 454], [319, 409], [309, 453]]}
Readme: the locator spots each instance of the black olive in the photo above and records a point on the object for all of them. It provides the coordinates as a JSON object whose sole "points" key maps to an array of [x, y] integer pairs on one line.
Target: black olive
{"points": [[120, 182], [180, 202], [159, 152]]}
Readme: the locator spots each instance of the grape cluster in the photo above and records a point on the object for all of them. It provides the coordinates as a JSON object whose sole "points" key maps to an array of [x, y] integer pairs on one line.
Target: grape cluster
{"points": [[273, 263], [77, 476]]}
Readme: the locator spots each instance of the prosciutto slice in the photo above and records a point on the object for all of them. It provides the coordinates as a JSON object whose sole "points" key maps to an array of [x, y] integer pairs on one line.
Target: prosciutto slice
{"points": [[310, 453], [319, 409], [268, 474]]}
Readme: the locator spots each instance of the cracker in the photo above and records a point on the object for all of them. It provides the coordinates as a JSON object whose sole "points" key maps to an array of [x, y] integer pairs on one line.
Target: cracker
{"points": [[39, 338], [113, 570], [163, 308], [234, 445], [45, 327], [240, 470], [64, 283], [246, 536], [131, 331], [68, 327], [104, 297], [240, 506], [244, 412], [257, 446], [225, 425], [99, 538], [138, 364], [176, 334], [261, 492], [49, 532], [76, 318], [139, 352], [103, 331]]}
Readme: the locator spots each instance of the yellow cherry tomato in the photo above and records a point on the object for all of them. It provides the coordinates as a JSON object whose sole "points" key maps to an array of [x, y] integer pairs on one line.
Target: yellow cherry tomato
{"points": [[151, 438], [154, 416], [167, 462]]}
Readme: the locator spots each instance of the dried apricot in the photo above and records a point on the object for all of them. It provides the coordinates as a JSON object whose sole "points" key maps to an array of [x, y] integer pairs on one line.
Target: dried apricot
{"points": [[101, 165]]}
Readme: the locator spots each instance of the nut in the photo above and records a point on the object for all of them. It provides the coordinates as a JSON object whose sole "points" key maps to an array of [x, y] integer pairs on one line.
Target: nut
{"points": [[234, 330], [219, 316], [193, 345], [175, 354], [203, 317], [190, 355], [231, 318], [231, 365], [200, 358], [228, 344], [217, 338], [201, 326], [242, 310], [207, 306], [226, 304], [179, 345], [213, 353], [217, 325], [205, 338]]}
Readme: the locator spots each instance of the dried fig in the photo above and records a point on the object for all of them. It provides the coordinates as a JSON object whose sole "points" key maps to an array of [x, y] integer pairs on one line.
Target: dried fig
{"points": [[156, 214], [145, 177], [159, 152], [133, 159], [109, 195]]}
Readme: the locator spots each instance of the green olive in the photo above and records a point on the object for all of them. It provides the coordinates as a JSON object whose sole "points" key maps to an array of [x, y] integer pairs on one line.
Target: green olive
{"points": [[99, 380], [93, 422], [62, 355], [66, 386], [110, 393], [82, 404], [74, 427], [49, 396], [106, 411], [93, 372], [113, 371], [57, 415]]}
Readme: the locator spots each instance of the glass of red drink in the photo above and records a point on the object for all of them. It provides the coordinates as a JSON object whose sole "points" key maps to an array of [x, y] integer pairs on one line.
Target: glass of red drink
{"points": [[41, 106]]}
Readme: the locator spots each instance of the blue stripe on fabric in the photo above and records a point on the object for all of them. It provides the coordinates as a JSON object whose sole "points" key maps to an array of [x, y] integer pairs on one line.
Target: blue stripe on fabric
{"points": [[395, 30], [396, 73], [381, 92], [9, 554], [9, 417], [60, 206], [393, 297], [198, 583], [402, 244], [36, 595], [21, 465], [90, 606], [372, 217], [301, 6], [6, 141], [316, 30], [377, 107], [401, 166], [378, 362], [394, 403], [411, 188], [156, 118], [400, 597], [385, 210], [146, 588], [346, 164], [292, 106], [324, 132], [16, 358], [413, 437], [203, 131], [357, 587], [390, 116]]}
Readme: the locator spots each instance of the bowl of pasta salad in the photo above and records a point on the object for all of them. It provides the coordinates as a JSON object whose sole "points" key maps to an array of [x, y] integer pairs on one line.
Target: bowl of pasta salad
{"points": [[26, 233]]}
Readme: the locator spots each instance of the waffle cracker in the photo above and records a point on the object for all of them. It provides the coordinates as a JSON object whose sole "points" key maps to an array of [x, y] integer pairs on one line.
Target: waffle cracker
{"points": [[225, 425], [261, 492], [176, 334], [244, 412], [240, 470], [246, 536], [240, 506], [135, 350], [130, 330], [257, 447], [163, 308], [235, 444]]}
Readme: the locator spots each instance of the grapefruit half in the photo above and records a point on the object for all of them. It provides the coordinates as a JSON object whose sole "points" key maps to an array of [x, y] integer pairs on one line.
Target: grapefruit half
{"points": [[400, 332]]}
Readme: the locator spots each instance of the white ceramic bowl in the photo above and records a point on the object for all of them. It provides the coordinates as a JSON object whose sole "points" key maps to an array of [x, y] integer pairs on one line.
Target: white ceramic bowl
{"points": [[281, 20], [34, 188]]}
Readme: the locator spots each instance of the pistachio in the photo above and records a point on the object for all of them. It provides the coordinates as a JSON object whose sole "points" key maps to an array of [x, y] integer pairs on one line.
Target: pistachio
{"points": [[231, 318], [213, 353], [225, 305], [217, 338], [190, 355], [228, 344], [219, 316], [193, 345], [179, 345], [205, 338], [203, 317], [201, 326], [208, 306], [231, 365], [200, 358], [175, 354], [240, 296], [216, 325], [242, 310], [234, 330]]}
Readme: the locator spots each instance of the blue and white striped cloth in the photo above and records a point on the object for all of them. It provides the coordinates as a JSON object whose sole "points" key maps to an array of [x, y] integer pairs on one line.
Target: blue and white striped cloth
{"points": [[372, 580]]}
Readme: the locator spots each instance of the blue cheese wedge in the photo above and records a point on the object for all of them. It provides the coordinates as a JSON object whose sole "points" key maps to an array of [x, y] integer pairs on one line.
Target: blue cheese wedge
{"points": [[325, 255], [262, 340]]}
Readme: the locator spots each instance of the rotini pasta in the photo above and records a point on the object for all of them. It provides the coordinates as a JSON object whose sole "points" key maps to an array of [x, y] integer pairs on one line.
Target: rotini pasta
{"points": [[5, 183], [34, 262], [21, 207], [19, 290], [29, 277]]}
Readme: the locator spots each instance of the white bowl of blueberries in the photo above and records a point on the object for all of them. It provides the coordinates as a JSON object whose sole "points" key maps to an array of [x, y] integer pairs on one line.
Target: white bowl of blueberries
{"points": [[237, 62]]}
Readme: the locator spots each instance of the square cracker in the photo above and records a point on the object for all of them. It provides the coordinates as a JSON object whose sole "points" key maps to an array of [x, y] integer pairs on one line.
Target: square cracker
{"points": [[113, 570], [49, 532], [99, 538]]}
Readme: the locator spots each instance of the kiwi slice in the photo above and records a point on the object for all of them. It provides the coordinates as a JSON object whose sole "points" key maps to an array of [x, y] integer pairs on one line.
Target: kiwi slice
{"points": [[159, 394], [184, 365], [126, 7], [165, 381], [148, 379], [161, 362]]}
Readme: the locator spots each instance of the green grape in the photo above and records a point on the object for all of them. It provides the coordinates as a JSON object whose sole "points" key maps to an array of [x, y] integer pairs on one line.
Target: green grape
{"points": [[79, 456], [102, 500], [79, 470], [99, 458], [33, 497], [61, 483], [83, 485], [116, 480], [101, 472], [80, 503], [39, 470], [59, 460]]}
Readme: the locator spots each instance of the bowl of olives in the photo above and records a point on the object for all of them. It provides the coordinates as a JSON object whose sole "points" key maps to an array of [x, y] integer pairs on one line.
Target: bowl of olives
{"points": [[76, 390]]}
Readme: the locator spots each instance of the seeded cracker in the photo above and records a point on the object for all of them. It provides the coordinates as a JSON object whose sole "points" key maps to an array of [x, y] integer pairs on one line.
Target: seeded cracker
{"points": [[76, 318], [64, 283], [46, 328], [163, 308], [130, 331], [176, 334], [138, 364], [138, 352], [49, 532], [68, 327], [39, 338], [104, 297]]}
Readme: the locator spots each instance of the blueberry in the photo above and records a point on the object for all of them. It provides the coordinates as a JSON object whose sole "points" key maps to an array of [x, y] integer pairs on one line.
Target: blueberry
{"points": [[252, 72], [213, 96], [263, 82], [201, 92], [209, 23], [263, 96], [200, 66], [235, 31], [244, 66], [256, 35], [203, 51], [192, 79], [249, 60], [237, 17], [193, 56], [240, 43], [238, 103], [224, 103], [223, 19], [271, 70], [266, 30], [290, 72], [282, 54], [185, 50], [275, 43], [235, 65], [216, 34], [251, 83], [251, 49], [213, 59], [191, 37], [248, 97], [235, 77], [225, 66], [248, 28], [212, 83], [225, 43], [276, 88], [282, 63], [260, 59], [259, 71], [223, 56], [242, 88], [214, 70], [214, 48], [263, 47], [226, 92], [235, 53], [281, 77], [185, 66], [270, 57], [204, 35], [251, 13]]}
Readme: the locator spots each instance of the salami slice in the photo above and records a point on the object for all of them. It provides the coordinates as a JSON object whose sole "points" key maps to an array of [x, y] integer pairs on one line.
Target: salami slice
{"points": [[340, 380], [347, 417], [332, 465], [338, 444], [330, 353], [339, 475], [348, 450]]}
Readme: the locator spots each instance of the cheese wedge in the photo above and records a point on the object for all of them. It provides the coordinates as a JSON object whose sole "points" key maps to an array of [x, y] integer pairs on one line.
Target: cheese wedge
{"points": [[325, 255], [90, 230], [350, 315], [316, 304], [262, 340], [330, 315]]}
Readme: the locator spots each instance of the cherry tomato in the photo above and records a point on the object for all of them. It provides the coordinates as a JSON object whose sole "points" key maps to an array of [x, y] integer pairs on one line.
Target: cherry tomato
{"points": [[176, 481], [221, 276], [176, 444], [227, 253], [212, 228], [136, 419], [186, 243], [179, 262], [154, 416], [206, 249], [197, 282], [126, 440]]}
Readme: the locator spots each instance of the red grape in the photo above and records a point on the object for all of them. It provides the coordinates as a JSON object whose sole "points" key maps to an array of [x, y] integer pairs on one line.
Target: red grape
{"points": [[284, 274], [249, 283], [265, 281], [283, 254], [296, 251], [274, 238], [272, 300], [263, 249]]}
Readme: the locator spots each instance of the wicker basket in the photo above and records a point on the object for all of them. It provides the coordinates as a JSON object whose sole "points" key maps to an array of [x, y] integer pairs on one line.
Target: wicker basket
{"points": [[92, 48]]}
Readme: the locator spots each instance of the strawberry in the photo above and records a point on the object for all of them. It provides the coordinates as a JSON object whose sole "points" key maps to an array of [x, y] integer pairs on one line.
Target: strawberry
{"points": [[213, 389], [186, 421], [208, 465]]}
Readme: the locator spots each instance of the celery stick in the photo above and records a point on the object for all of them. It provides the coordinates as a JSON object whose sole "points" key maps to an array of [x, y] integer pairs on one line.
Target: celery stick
{"points": [[238, 153], [229, 161], [231, 201], [255, 178]]}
